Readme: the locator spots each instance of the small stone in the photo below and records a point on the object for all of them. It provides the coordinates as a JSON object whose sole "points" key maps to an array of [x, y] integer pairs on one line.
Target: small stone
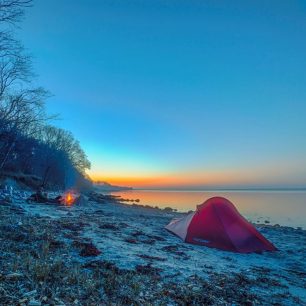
{"points": [[196, 289], [13, 276], [34, 303], [22, 300], [30, 293], [59, 302]]}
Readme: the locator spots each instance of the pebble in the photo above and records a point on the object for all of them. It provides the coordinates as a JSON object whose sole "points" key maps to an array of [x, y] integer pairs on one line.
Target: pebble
{"points": [[14, 275], [30, 293], [22, 300], [34, 303], [196, 289], [59, 302]]}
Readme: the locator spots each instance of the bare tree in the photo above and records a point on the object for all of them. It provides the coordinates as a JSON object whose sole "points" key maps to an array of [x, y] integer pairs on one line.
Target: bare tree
{"points": [[27, 143], [11, 11], [64, 141]]}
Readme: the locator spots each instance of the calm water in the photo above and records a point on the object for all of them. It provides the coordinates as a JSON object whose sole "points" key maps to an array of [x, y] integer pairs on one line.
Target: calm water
{"points": [[282, 207]]}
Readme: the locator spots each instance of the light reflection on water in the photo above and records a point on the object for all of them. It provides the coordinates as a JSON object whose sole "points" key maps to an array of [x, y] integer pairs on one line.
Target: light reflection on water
{"points": [[282, 207]]}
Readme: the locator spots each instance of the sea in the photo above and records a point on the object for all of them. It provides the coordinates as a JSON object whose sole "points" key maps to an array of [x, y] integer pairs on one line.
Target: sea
{"points": [[283, 207]]}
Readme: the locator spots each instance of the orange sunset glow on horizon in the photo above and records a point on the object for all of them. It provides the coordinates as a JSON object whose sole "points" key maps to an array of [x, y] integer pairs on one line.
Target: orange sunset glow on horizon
{"points": [[197, 179]]}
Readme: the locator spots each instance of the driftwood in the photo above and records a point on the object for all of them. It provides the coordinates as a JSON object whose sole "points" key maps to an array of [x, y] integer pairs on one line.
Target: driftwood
{"points": [[59, 200], [42, 198]]}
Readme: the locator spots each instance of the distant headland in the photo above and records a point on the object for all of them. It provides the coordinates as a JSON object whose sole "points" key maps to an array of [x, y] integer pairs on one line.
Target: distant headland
{"points": [[104, 186]]}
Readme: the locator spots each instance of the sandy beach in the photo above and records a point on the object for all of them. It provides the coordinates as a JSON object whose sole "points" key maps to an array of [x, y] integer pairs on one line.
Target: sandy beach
{"points": [[97, 254], [117, 117]]}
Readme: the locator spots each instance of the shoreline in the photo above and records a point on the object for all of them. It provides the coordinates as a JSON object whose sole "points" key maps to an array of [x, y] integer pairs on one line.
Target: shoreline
{"points": [[257, 218], [120, 253]]}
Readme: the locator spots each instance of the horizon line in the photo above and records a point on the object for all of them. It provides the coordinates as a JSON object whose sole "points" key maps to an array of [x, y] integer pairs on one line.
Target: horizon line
{"points": [[206, 188], [226, 189]]}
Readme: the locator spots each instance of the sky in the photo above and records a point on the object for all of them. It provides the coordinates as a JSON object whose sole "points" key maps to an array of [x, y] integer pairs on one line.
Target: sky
{"points": [[177, 94]]}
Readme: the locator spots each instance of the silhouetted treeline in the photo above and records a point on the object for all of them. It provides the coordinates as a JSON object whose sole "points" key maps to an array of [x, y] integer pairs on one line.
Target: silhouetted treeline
{"points": [[29, 146]]}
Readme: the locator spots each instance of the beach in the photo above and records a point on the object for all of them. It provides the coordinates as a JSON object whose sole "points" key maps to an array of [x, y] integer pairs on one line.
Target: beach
{"points": [[112, 253], [152, 153]]}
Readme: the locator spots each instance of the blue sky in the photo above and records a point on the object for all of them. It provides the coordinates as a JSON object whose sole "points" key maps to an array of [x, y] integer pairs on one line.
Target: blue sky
{"points": [[178, 93]]}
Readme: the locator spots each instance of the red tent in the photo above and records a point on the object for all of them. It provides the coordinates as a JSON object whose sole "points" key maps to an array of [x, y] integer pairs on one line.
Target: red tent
{"points": [[217, 223]]}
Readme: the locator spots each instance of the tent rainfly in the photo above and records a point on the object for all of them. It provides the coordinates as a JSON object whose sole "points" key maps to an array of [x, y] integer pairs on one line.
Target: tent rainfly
{"points": [[217, 224]]}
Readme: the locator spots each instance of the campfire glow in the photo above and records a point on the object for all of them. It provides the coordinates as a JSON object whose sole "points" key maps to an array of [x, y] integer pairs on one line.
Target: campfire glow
{"points": [[69, 198]]}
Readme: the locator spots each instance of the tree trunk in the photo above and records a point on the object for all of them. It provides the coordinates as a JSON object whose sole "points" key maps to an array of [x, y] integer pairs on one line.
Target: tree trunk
{"points": [[7, 155]]}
